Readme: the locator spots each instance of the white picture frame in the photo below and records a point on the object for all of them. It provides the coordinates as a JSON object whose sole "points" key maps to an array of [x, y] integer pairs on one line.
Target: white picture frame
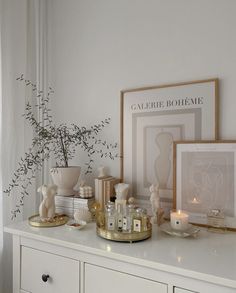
{"points": [[205, 179], [151, 119]]}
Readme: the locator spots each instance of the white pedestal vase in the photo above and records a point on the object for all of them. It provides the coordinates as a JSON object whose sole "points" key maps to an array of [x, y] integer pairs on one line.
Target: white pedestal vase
{"points": [[65, 178]]}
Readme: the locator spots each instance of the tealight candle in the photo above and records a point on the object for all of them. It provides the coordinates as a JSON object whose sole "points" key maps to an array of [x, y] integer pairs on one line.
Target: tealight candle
{"points": [[179, 220]]}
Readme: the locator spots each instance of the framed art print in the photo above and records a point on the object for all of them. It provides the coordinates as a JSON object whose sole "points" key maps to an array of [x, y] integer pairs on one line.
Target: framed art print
{"points": [[151, 119], [205, 179]]}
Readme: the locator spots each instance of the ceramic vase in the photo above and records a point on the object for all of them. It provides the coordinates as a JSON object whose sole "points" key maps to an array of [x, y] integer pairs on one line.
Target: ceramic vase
{"points": [[65, 178]]}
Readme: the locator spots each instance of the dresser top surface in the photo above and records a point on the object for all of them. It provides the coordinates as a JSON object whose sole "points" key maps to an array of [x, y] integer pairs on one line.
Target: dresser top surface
{"points": [[209, 257]]}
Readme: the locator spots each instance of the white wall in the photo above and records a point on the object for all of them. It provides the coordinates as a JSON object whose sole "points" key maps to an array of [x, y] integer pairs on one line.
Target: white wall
{"points": [[97, 48]]}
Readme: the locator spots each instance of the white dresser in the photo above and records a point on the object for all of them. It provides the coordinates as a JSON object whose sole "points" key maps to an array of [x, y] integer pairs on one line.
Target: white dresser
{"points": [[58, 260]]}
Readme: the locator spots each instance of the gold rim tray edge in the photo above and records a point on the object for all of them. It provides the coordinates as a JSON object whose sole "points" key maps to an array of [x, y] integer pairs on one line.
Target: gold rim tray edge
{"points": [[124, 237], [59, 221]]}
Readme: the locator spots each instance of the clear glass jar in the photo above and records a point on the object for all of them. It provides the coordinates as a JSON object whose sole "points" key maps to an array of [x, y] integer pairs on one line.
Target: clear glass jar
{"points": [[216, 220]]}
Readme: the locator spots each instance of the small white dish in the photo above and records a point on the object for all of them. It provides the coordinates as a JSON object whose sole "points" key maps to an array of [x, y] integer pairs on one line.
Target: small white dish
{"points": [[190, 231], [76, 225]]}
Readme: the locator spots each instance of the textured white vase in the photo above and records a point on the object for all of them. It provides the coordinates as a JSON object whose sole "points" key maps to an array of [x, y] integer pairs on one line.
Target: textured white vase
{"points": [[65, 178]]}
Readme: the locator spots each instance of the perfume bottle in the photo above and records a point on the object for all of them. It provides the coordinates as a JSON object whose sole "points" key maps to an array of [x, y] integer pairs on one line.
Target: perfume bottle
{"points": [[130, 217], [145, 220], [110, 216], [125, 221], [137, 220], [119, 217]]}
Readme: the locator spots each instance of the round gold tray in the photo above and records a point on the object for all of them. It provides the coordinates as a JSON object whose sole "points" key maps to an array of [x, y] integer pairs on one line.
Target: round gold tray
{"points": [[58, 220], [124, 237]]}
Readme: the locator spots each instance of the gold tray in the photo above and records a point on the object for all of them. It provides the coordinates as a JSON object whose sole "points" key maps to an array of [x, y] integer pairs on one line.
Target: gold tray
{"points": [[58, 220], [124, 237]]}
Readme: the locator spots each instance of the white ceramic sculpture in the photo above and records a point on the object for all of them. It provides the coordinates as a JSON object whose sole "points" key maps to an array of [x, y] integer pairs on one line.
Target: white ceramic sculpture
{"points": [[47, 206], [155, 201]]}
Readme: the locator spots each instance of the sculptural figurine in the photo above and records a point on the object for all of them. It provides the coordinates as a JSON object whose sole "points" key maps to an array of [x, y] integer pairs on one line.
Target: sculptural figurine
{"points": [[47, 206], [155, 201]]}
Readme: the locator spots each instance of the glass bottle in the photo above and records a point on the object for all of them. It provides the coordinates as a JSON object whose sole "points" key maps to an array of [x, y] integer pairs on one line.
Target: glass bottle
{"points": [[119, 217], [144, 220], [126, 222], [137, 220], [110, 216], [130, 216]]}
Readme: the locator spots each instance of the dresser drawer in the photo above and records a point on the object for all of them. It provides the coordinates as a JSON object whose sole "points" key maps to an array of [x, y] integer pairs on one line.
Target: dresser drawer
{"points": [[61, 274], [102, 280]]}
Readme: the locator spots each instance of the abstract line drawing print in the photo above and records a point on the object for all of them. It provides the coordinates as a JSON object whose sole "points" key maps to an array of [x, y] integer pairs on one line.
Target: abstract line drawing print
{"points": [[208, 177], [157, 157]]}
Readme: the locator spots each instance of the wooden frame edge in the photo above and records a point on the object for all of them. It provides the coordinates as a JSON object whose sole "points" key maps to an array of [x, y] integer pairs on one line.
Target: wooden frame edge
{"points": [[175, 143], [122, 93], [121, 136], [152, 87]]}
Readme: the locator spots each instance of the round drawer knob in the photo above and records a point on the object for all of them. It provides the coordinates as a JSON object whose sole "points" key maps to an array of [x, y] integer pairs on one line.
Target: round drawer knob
{"points": [[45, 277]]}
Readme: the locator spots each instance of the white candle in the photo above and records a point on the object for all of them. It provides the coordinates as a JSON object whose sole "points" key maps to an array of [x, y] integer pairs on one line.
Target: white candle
{"points": [[179, 220]]}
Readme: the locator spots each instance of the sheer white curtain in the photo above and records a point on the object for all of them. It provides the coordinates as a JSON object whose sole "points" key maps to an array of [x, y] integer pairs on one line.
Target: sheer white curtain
{"points": [[19, 55]]}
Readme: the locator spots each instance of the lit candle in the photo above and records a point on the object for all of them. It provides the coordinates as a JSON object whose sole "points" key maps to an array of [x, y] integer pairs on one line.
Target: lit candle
{"points": [[179, 220]]}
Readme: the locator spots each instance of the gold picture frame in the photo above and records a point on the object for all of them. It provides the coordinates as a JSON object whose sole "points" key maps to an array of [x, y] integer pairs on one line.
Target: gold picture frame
{"points": [[205, 179], [188, 110]]}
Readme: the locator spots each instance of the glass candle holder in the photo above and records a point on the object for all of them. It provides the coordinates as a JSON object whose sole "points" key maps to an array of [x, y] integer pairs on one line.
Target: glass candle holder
{"points": [[216, 220], [179, 220]]}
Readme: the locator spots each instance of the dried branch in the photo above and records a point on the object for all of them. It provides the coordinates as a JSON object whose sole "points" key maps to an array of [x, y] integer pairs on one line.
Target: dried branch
{"points": [[50, 140]]}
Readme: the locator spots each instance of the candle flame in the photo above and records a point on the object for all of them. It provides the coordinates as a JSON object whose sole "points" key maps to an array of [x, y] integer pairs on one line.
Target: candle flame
{"points": [[179, 212]]}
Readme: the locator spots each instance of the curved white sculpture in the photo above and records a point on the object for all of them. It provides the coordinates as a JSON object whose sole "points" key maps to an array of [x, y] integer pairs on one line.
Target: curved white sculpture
{"points": [[47, 206]]}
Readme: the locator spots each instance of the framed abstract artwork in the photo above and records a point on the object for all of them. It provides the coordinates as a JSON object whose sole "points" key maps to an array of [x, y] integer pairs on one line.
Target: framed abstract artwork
{"points": [[205, 179], [151, 119]]}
